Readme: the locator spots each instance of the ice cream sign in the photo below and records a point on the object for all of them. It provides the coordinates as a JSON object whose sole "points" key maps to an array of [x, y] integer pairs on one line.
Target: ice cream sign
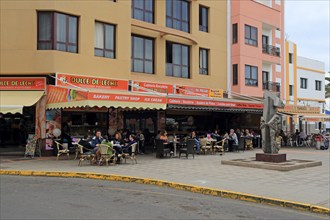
{"points": [[67, 80], [22, 83]]}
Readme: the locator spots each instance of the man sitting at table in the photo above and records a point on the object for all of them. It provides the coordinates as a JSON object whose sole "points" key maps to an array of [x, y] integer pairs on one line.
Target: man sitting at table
{"points": [[96, 141], [197, 142]]}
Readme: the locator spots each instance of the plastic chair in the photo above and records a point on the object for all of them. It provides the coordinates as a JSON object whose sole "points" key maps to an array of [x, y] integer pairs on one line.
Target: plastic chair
{"points": [[61, 149], [107, 154], [133, 154], [85, 154]]}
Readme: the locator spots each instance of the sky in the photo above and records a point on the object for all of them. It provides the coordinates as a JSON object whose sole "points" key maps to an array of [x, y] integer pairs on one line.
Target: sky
{"points": [[307, 24]]}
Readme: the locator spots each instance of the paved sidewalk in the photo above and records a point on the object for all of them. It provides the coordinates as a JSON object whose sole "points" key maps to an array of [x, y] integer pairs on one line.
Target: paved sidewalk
{"points": [[309, 185]]}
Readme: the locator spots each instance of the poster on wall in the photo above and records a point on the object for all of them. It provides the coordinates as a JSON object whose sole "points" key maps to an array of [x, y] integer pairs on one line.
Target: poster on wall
{"points": [[53, 127]]}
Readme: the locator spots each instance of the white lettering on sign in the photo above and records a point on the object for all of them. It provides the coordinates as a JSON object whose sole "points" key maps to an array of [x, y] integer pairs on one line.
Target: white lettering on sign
{"points": [[121, 97], [101, 96]]}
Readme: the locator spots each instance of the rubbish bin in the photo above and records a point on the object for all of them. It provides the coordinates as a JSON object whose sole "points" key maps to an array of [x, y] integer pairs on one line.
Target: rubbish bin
{"points": [[318, 145]]}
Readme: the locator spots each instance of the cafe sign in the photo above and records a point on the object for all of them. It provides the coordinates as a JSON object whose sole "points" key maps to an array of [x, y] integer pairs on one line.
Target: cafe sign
{"points": [[138, 86], [296, 109], [191, 91], [22, 83], [67, 80]]}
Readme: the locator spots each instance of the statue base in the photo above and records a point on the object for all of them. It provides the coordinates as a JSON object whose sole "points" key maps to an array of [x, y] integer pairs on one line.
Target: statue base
{"points": [[273, 158]]}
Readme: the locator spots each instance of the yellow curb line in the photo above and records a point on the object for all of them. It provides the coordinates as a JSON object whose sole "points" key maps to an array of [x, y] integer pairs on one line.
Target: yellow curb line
{"points": [[179, 186]]}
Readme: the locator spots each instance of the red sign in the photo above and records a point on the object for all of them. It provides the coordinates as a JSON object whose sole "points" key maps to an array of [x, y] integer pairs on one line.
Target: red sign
{"points": [[58, 94], [19, 83], [191, 91], [211, 103], [157, 87], [90, 82], [125, 98]]}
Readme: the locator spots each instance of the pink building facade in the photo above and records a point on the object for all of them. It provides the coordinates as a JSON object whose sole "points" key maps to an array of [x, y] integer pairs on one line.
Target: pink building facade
{"points": [[257, 47]]}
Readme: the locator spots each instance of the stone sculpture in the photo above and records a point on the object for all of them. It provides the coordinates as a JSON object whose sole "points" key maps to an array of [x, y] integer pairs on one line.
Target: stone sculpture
{"points": [[270, 122]]}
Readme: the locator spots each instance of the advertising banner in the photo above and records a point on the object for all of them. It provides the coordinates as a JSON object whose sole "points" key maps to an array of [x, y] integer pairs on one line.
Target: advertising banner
{"points": [[216, 93], [67, 80], [191, 91], [22, 83], [211, 103], [58, 94], [157, 87], [125, 98]]}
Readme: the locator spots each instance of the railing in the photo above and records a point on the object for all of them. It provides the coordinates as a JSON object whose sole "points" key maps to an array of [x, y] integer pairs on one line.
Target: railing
{"points": [[271, 50], [271, 86]]}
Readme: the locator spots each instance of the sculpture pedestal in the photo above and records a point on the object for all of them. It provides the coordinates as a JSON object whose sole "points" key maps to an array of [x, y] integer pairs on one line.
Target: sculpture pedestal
{"points": [[274, 158]]}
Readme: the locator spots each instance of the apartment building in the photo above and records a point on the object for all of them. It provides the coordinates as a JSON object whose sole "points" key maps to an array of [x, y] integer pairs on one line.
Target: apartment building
{"points": [[107, 64], [305, 92], [257, 47]]}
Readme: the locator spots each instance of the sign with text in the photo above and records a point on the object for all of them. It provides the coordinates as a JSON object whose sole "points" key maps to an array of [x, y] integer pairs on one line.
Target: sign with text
{"points": [[216, 93], [125, 98], [68, 80], [157, 87], [211, 103], [296, 109], [22, 83], [191, 91]]}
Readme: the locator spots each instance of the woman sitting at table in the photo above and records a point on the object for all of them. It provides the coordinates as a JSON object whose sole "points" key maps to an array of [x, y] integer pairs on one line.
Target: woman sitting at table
{"points": [[167, 144], [163, 136], [128, 148], [118, 143]]}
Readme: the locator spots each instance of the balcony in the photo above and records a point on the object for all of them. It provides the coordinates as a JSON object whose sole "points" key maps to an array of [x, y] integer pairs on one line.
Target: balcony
{"points": [[271, 50], [271, 86]]}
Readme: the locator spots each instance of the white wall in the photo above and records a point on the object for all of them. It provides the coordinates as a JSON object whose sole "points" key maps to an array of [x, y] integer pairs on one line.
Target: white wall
{"points": [[311, 76]]}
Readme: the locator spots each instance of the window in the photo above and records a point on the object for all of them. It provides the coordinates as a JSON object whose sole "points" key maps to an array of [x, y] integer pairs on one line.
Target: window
{"points": [[318, 85], [143, 10], [251, 35], [177, 14], [303, 83], [142, 55], [104, 42], [57, 31], [251, 75], [290, 58], [235, 37], [290, 90], [235, 74], [203, 61], [177, 60], [203, 19]]}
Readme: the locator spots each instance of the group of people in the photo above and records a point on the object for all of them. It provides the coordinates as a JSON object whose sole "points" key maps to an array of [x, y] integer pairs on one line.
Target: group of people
{"points": [[232, 137], [120, 144]]}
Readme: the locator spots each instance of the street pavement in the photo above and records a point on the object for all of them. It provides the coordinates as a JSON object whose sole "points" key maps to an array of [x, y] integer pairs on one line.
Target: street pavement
{"points": [[308, 185], [25, 197]]}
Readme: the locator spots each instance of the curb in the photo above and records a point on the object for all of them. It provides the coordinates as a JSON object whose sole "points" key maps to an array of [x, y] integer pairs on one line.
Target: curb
{"points": [[179, 186]]}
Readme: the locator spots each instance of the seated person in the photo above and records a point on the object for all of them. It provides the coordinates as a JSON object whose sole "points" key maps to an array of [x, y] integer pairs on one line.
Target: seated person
{"points": [[118, 143], [96, 141], [216, 135], [85, 143], [128, 148], [197, 142]]}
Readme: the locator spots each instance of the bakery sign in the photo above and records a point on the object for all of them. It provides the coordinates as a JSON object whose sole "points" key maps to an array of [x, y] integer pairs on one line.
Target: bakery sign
{"points": [[22, 83], [68, 80]]}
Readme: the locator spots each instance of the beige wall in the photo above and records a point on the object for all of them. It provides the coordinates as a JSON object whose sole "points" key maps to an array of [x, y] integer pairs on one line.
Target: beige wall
{"points": [[19, 54]]}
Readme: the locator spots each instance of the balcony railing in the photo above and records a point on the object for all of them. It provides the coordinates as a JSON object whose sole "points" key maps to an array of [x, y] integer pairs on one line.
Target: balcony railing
{"points": [[271, 50], [271, 86]]}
